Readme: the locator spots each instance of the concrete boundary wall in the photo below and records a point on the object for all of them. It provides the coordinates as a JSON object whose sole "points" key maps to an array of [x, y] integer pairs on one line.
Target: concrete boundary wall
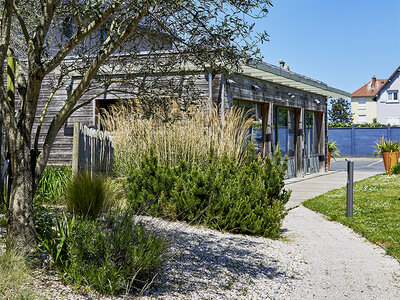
{"points": [[360, 141]]}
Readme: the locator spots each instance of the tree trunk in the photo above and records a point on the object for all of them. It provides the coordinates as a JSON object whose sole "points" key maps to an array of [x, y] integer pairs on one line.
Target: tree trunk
{"points": [[20, 227]]}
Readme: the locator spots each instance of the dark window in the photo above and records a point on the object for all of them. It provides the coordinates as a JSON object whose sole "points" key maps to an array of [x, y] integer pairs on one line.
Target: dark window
{"points": [[68, 27]]}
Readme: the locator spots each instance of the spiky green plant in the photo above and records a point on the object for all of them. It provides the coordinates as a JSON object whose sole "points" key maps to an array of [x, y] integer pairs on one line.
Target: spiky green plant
{"points": [[87, 195], [386, 145], [52, 185], [333, 149]]}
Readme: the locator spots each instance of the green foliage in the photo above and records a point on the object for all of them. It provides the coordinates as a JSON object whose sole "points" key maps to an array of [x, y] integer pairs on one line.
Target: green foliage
{"points": [[52, 185], [88, 195], [15, 276], [386, 145], [246, 198], [55, 233], [257, 124], [340, 111], [333, 149], [396, 169], [112, 256], [363, 125]]}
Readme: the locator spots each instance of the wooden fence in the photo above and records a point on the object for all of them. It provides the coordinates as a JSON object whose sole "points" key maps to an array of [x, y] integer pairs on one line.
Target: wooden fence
{"points": [[92, 150]]}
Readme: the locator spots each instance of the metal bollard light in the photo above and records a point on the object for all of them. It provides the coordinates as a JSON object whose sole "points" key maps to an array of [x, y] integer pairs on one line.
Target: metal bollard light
{"points": [[350, 178]]}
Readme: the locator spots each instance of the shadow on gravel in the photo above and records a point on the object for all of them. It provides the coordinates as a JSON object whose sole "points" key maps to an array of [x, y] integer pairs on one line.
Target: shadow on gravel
{"points": [[204, 260]]}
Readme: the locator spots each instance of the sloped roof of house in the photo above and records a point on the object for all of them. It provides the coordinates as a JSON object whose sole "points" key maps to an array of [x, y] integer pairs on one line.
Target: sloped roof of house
{"points": [[370, 89]]}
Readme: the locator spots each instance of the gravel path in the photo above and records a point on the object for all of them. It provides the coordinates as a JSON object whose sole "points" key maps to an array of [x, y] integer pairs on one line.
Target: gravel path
{"points": [[335, 262]]}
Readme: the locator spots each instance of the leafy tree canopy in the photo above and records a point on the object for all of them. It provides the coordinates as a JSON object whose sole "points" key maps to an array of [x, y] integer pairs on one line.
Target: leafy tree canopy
{"points": [[340, 111], [55, 40]]}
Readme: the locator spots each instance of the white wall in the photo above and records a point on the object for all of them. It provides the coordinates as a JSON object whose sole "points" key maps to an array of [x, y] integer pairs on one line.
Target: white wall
{"points": [[389, 111], [368, 110]]}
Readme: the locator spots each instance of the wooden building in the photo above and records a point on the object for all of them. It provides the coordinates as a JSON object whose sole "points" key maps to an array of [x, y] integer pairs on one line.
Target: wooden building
{"points": [[289, 109]]}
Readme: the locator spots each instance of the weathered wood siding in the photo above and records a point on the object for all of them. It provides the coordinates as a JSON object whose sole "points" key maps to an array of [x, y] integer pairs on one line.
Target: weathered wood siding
{"points": [[272, 93], [62, 148]]}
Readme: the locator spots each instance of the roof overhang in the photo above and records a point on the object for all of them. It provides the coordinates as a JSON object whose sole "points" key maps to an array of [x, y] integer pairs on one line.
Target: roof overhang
{"points": [[267, 72]]}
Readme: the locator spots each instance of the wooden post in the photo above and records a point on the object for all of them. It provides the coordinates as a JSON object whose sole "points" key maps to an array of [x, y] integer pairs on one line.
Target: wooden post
{"points": [[267, 128], [75, 149]]}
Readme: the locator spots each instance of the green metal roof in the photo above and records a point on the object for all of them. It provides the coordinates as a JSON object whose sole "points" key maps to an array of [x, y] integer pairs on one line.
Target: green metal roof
{"points": [[268, 72]]}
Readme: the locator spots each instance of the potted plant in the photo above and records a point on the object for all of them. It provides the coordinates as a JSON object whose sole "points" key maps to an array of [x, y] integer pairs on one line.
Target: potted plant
{"points": [[333, 151], [390, 152]]}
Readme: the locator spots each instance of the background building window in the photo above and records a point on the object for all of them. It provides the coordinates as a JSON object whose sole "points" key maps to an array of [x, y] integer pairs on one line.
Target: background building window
{"points": [[393, 95], [362, 118], [362, 103]]}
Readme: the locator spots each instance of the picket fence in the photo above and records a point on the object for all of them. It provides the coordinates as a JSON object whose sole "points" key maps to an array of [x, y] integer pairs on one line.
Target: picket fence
{"points": [[92, 150]]}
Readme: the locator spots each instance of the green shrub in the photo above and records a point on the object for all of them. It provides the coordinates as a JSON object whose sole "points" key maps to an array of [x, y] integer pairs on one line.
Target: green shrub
{"points": [[88, 195], [150, 183], [112, 256], [51, 187], [246, 198], [396, 169]]}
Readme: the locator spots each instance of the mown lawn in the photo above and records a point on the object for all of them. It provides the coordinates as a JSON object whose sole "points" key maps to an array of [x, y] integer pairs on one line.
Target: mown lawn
{"points": [[376, 210]]}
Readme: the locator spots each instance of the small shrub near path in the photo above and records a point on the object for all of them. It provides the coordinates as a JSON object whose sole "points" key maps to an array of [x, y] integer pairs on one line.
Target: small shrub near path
{"points": [[112, 255], [248, 198], [376, 210]]}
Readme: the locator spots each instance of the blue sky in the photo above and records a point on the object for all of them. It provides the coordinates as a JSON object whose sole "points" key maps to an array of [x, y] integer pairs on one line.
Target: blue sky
{"points": [[342, 43]]}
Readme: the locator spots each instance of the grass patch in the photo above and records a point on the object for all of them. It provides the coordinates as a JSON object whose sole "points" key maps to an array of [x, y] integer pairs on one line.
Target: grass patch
{"points": [[15, 276], [376, 209], [51, 187]]}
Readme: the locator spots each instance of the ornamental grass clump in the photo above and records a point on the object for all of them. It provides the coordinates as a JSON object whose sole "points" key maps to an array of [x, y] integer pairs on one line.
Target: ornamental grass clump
{"points": [[184, 135], [15, 275], [386, 145], [88, 195], [51, 188]]}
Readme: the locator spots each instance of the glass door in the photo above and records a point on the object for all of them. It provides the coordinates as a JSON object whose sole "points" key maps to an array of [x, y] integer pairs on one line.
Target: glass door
{"points": [[284, 134], [311, 158]]}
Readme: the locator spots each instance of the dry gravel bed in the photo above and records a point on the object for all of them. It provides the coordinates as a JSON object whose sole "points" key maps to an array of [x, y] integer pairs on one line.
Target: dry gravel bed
{"points": [[206, 264]]}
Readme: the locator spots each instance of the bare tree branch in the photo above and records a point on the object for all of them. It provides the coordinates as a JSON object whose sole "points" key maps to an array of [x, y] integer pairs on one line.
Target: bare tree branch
{"points": [[22, 23], [60, 118], [79, 36]]}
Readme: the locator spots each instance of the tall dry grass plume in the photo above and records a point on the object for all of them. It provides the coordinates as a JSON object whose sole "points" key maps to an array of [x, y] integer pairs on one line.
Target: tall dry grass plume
{"points": [[180, 135]]}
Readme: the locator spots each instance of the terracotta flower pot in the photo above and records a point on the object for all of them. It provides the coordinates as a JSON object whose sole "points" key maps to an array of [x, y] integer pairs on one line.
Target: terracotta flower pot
{"points": [[390, 159], [329, 159]]}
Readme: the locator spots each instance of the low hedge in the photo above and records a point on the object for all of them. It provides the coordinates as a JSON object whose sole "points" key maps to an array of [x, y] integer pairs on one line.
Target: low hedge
{"points": [[248, 198]]}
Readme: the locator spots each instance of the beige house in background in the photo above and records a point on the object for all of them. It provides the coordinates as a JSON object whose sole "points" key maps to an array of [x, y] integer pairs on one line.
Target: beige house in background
{"points": [[363, 108]]}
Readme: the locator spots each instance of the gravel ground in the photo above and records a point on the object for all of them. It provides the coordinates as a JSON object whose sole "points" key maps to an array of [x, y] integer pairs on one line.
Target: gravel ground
{"points": [[205, 264]]}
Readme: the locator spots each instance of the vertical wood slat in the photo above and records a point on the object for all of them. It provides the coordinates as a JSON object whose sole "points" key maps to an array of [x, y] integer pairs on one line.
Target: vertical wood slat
{"points": [[92, 150]]}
